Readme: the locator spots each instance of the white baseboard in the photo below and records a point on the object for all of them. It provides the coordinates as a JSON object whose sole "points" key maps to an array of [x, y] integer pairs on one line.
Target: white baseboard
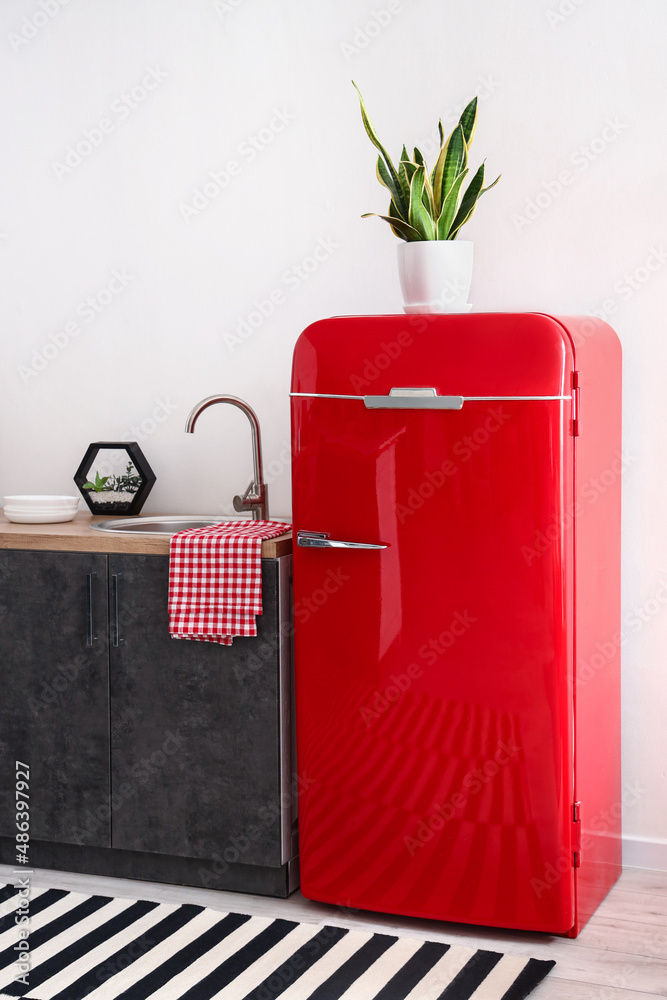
{"points": [[645, 852]]}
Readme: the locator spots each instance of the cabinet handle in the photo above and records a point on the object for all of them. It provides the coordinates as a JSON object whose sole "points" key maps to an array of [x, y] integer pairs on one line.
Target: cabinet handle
{"points": [[90, 625], [115, 625]]}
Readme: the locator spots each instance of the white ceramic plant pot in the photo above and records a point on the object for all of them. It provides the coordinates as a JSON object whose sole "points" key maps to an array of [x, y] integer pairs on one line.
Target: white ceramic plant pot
{"points": [[435, 275]]}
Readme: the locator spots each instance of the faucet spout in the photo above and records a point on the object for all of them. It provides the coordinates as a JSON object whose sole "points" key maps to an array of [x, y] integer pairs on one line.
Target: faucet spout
{"points": [[255, 497]]}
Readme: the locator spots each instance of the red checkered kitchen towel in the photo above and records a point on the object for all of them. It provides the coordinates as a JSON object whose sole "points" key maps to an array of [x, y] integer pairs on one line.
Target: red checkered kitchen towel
{"points": [[215, 579]]}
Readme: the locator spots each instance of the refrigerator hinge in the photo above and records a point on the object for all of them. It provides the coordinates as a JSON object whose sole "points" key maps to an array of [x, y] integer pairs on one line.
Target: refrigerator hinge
{"points": [[575, 403], [576, 835]]}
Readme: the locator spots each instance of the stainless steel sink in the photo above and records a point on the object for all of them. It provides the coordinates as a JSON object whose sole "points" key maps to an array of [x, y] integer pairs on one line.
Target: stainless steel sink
{"points": [[160, 525]]}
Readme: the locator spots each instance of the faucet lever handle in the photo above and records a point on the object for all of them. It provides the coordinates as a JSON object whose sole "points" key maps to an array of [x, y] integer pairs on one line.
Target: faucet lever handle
{"points": [[241, 503], [254, 499]]}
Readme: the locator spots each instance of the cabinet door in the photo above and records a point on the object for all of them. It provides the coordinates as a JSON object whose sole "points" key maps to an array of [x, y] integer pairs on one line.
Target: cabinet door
{"points": [[195, 728], [54, 708]]}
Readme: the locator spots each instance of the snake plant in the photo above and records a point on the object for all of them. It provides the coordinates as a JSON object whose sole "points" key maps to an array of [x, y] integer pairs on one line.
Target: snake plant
{"points": [[430, 205]]}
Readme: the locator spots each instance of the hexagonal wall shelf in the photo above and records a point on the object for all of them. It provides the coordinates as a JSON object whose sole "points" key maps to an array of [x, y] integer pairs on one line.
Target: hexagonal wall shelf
{"points": [[114, 477]]}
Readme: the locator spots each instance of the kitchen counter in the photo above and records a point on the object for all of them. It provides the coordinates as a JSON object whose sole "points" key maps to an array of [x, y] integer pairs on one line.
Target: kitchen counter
{"points": [[76, 536]]}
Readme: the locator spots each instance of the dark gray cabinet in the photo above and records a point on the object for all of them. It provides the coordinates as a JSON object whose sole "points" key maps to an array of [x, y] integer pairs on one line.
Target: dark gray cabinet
{"points": [[175, 757], [195, 727], [54, 702]]}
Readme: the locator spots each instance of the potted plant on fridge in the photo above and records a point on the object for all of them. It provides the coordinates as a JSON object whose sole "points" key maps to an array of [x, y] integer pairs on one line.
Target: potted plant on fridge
{"points": [[427, 210]]}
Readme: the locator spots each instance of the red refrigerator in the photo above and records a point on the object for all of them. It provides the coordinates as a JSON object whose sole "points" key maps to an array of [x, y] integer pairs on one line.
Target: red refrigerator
{"points": [[456, 508]]}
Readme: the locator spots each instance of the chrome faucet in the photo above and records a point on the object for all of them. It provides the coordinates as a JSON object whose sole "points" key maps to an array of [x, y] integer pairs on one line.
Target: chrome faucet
{"points": [[255, 498]]}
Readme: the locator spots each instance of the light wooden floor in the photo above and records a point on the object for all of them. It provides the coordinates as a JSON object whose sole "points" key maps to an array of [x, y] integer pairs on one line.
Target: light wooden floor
{"points": [[620, 955]]}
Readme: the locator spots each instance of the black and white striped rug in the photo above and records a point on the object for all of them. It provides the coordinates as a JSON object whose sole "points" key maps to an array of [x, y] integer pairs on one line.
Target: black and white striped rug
{"points": [[107, 949]]}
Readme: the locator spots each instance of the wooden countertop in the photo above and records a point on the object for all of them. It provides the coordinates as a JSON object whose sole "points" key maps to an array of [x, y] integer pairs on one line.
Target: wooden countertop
{"points": [[76, 536]]}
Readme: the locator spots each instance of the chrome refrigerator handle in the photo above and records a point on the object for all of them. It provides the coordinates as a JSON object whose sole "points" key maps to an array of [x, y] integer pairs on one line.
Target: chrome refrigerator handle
{"points": [[321, 540], [413, 399]]}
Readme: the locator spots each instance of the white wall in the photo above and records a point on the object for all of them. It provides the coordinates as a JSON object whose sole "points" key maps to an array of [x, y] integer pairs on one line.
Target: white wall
{"points": [[220, 72]]}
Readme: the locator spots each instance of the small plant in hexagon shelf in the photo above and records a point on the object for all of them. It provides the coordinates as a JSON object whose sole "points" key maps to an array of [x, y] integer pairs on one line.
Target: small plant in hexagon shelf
{"points": [[114, 477]]}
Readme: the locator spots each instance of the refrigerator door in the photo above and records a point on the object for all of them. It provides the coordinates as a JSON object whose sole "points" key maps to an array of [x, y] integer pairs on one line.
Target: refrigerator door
{"points": [[434, 657]]}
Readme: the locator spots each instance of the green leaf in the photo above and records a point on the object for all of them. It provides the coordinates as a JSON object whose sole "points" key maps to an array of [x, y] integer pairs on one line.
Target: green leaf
{"points": [[468, 121], [456, 225], [407, 232], [427, 195], [418, 217], [89, 486], [401, 193], [441, 133], [407, 167], [418, 158], [383, 174], [406, 171], [492, 185], [454, 162], [436, 176], [449, 207], [469, 201], [375, 139], [404, 235]]}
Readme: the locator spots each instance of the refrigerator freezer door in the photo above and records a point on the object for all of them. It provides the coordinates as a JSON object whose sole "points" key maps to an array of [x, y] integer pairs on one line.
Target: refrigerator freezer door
{"points": [[434, 676]]}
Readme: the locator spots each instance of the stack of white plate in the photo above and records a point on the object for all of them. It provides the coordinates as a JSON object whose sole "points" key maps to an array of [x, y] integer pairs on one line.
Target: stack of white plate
{"points": [[40, 509]]}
